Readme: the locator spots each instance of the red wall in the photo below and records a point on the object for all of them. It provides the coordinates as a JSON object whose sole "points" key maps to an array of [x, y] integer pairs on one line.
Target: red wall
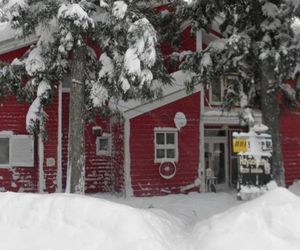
{"points": [[13, 118], [118, 155], [50, 146], [145, 177], [10, 56], [290, 141], [100, 172]]}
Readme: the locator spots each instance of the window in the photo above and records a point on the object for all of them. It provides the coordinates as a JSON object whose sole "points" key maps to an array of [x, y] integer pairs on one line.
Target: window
{"points": [[103, 145], [218, 89], [16, 150], [4, 151], [166, 146], [215, 133]]}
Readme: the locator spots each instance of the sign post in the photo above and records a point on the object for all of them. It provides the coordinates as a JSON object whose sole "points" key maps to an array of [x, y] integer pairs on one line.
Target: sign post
{"points": [[254, 170]]}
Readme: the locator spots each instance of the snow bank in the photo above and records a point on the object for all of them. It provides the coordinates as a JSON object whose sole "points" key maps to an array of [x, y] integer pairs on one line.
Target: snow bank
{"points": [[119, 9], [190, 208], [72, 222], [6, 31], [295, 188], [269, 222], [31, 221]]}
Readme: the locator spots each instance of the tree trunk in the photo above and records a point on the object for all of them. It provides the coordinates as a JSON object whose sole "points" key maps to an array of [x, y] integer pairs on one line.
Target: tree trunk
{"points": [[271, 118], [76, 157]]}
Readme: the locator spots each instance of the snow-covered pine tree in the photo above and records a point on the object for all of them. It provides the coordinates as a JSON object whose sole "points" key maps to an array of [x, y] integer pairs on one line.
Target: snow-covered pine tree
{"points": [[129, 66], [259, 46]]}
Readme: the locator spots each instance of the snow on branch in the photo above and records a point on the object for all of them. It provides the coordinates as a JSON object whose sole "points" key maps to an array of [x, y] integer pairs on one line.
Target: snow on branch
{"points": [[140, 55], [119, 9], [75, 13], [99, 94], [34, 63]]}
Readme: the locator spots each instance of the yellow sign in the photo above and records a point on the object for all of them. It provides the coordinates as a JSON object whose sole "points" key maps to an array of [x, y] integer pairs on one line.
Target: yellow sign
{"points": [[240, 145]]}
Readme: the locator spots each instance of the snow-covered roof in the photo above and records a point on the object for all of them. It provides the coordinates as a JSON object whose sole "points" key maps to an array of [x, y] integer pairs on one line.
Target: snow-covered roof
{"points": [[178, 85], [32, 221], [6, 32], [216, 116], [9, 40]]}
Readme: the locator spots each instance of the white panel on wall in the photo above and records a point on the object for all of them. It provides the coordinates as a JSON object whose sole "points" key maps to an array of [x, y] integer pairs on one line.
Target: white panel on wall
{"points": [[22, 151]]}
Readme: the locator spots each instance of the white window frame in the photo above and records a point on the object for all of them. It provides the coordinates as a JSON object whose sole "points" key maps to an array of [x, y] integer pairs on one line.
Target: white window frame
{"points": [[166, 146], [223, 81], [103, 152], [12, 162]]}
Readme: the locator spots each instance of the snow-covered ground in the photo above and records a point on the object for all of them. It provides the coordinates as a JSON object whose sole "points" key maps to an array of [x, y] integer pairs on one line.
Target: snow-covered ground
{"points": [[189, 208], [176, 222]]}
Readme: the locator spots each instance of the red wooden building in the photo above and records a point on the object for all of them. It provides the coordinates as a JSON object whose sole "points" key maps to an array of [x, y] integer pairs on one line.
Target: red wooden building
{"points": [[160, 147]]}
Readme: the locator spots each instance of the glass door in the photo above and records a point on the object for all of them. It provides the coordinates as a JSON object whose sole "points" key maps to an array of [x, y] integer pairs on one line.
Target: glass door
{"points": [[216, 157], [215, 160]]}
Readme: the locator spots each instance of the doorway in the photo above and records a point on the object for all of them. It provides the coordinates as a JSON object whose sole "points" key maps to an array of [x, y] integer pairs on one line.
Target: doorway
{"points": [[216, 156]]}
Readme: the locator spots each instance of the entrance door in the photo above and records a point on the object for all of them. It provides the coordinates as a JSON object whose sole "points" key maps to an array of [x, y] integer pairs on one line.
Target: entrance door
{"points": [[216, 155]]}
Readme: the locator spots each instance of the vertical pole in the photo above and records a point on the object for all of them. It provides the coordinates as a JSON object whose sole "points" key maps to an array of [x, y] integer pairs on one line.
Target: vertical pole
{"points": [[59, 144], [41, 187], [128, 188]]}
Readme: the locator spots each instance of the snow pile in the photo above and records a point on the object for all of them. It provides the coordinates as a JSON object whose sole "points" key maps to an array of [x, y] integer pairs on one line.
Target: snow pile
{"points": [[190, 208], [269, 222], [74, 12], [62, 222], [99, 95], [35, 62], [206, 60], [140, 54], [30, 221], [36, 115], [6, 31], [119, 9], [107, 69], [43, 89], [250, 192], [295, 188], [179, 80], [32, 114]]}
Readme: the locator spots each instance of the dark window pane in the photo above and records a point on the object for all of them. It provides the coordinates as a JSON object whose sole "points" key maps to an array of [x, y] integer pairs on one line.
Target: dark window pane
{"points": [[103, 144], [171, 153], [214, 132], [170, 138], [4, 150], [160, 138], [216, 91], [160, 153]]}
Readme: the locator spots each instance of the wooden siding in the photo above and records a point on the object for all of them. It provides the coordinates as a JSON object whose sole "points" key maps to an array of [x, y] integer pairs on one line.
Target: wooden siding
{"points": [[145, 178], [290, 140], [99, 171]]}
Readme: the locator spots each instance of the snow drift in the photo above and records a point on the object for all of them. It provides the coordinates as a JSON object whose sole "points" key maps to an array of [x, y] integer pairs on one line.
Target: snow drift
{"points": [[72, 222], [269, 222]]}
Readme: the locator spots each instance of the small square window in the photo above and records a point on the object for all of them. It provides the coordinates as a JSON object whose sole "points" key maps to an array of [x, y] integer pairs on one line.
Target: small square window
{"points": [[219, 88], [166, 146], [103, 145], [4, 151]]}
